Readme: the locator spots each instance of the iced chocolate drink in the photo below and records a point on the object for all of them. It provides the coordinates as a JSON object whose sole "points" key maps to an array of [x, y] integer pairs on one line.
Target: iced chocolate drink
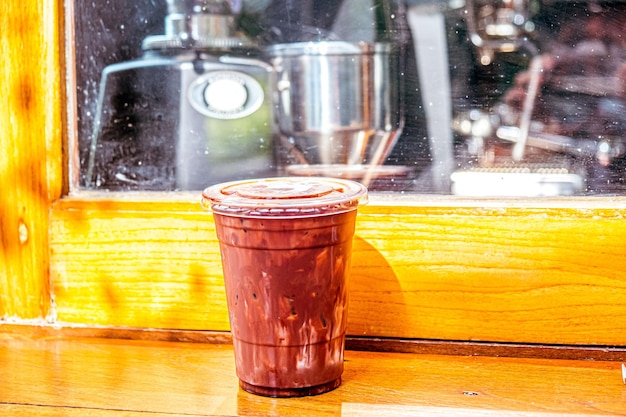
{"points": [[286, 248]]}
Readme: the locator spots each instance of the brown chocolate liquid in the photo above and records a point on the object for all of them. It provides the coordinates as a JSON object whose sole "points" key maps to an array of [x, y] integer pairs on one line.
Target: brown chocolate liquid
{"points": [[287, 298]]}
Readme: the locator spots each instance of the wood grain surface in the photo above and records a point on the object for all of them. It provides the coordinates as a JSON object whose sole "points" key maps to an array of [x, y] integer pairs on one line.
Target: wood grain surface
{"points": [[31, 174], [71, 377], [498, 272], [105, 377]]}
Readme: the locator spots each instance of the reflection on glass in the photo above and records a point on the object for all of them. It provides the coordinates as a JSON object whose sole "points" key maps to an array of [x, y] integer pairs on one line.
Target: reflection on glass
{"points": [[558, 128], [470, 97], [192, 110]]}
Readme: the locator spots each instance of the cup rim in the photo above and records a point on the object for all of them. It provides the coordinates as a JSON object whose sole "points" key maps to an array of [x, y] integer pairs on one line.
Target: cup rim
{"points": [[284, 197]]}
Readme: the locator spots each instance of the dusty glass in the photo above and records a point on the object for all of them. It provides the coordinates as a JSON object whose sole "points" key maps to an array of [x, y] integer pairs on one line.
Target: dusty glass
{"points": [[478, 97]]}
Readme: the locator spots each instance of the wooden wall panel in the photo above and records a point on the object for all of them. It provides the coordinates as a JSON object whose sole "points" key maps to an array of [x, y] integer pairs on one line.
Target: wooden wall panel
{"points": [[434, 270], [31, 152], [506, 274], [136, 264], [545, 271]]}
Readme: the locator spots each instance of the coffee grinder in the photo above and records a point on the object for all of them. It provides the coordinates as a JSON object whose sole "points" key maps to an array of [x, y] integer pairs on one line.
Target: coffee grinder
{"points": [[192, 111]]}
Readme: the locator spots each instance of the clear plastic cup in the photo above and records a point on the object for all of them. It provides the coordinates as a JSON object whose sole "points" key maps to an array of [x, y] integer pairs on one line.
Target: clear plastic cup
{"points": [[286, 248]]}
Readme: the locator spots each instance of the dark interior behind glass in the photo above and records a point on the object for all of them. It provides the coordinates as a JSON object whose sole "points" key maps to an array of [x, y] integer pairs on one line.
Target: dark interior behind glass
{"points": [[481, 97]]}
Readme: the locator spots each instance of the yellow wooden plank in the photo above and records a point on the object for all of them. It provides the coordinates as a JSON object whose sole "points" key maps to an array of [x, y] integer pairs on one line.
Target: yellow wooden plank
{"points": [[505, 274], [496, 273], [30, 161], [347, 410], [106, 377], [137, 264]]}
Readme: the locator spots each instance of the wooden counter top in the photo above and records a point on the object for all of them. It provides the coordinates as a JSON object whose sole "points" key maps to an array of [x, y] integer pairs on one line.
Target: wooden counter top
{"points": [[69, 376]]}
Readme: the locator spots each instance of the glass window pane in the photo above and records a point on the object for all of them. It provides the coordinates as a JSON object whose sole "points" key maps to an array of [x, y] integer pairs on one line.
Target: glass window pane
{"points": [[476, 97]]}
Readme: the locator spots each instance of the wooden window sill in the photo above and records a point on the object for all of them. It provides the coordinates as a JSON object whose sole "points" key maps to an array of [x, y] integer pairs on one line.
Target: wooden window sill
{"points": [[547, 272], [51, 375]]}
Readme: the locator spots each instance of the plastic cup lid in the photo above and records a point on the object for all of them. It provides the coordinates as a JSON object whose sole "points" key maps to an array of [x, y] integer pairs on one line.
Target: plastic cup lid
{"points": [[284, 196]]}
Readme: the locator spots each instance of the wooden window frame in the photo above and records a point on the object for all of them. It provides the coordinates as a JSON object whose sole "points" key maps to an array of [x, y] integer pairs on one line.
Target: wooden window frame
{"points": [[547, 270]]}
